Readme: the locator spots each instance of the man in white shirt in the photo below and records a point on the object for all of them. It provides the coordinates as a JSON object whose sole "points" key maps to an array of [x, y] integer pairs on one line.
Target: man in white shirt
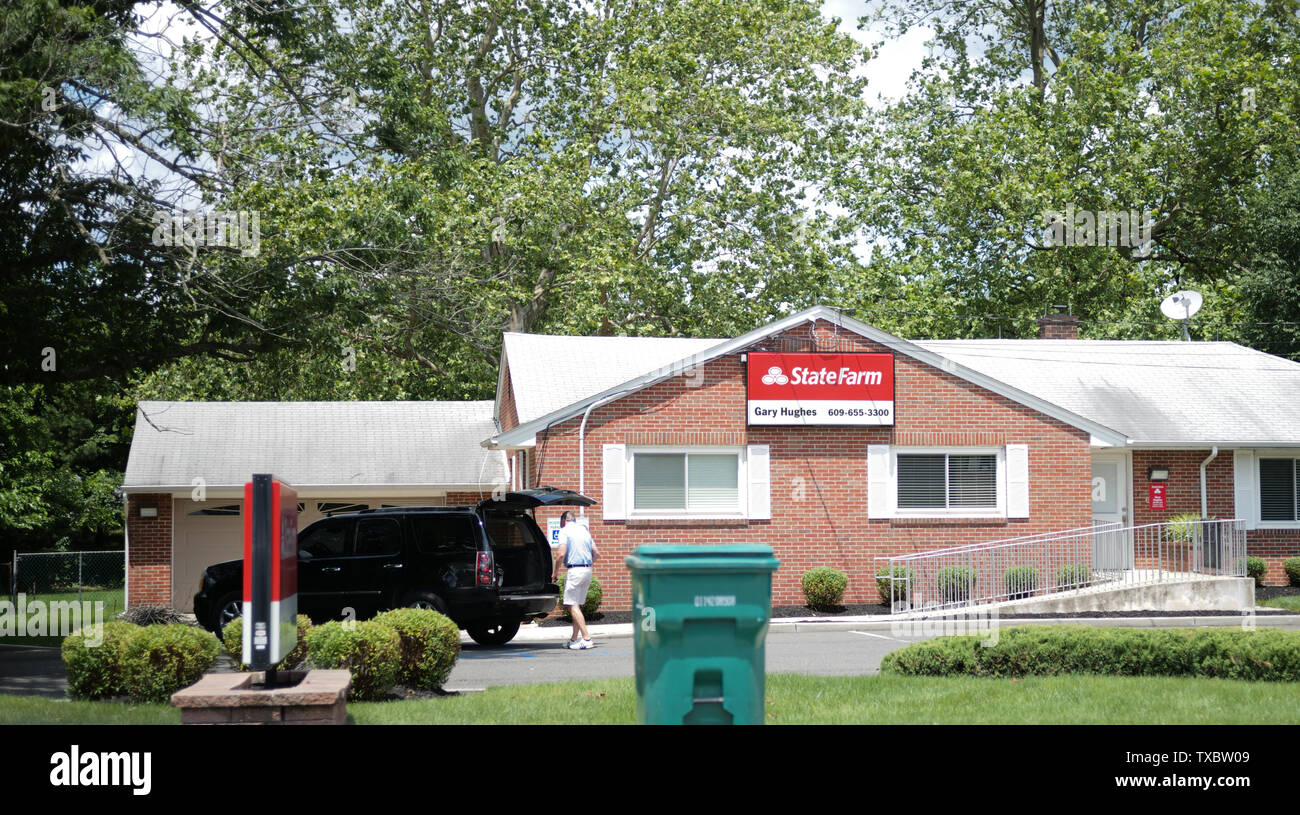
{"points": [[578, 551]]}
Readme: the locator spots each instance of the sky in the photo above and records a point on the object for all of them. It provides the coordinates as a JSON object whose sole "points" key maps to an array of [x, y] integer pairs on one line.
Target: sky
{"points": [[887, 74]]}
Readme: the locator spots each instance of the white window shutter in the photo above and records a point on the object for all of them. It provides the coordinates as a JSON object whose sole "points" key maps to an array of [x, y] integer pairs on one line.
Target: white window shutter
{"points": [[1017, 481], [614, 482], [880, 481], [1245, 501], [758, 465]]}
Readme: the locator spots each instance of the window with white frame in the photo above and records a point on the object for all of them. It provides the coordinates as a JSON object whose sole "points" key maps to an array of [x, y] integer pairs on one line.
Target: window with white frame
{"points": [[947, 481], [1278, 499], [686, 483], [917, 482]]}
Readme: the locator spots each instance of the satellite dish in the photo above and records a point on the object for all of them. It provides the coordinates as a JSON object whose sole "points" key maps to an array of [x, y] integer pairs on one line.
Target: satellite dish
{"points": [[1181, 305]]}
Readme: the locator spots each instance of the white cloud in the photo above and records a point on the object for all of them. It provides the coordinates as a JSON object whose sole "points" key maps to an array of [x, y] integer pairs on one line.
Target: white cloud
{"points": [[888, 73]]}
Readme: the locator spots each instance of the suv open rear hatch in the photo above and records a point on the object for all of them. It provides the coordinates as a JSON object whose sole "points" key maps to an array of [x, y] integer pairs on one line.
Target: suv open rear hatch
{"points": [[536, 497]]}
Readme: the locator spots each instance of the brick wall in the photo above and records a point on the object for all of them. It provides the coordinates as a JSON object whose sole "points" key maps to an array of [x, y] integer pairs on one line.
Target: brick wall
{"points": [[456, 499], [149, 558], [819, 474], [1184, 495]]}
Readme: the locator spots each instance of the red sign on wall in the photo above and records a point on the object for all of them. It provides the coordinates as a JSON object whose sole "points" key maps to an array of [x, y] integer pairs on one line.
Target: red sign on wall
{"points": [[1156, 496], [821, 389]]}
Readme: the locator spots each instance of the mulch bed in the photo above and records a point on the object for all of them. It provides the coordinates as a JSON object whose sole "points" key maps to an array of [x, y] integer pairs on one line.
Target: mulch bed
{"points": [[599, 618], [1269, 592], [401, 693]]}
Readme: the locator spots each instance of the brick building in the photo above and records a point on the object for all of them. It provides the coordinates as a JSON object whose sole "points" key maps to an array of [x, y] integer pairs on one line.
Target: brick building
{"points": [[982, 440], [830, 440]]}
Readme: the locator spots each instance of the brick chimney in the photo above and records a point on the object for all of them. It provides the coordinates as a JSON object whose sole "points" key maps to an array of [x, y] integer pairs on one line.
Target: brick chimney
{"points": [[1059, 326]]}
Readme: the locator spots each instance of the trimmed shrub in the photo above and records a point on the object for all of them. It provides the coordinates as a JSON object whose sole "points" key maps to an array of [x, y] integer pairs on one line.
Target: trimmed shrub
{"points": [[159, 660], [430, 646], [594, 595], [1073, 574], [1021, 581], [823, 587], [1263, 654], [1292, 568], [903, 577], [1256, 567], [94, 660], [150, 614], [956, 583], [370, 651], [232, 636]]}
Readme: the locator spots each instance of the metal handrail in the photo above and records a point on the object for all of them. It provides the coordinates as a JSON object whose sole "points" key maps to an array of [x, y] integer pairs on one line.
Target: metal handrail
{"points": [[1108, 554]]}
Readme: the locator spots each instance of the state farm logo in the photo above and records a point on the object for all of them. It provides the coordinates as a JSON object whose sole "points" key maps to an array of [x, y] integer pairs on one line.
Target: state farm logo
{"points": [[775, 376], [831, 376]]}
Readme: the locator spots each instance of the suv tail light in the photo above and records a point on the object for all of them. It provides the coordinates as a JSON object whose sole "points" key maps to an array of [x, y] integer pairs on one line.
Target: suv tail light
{"points": [[484, 569]]}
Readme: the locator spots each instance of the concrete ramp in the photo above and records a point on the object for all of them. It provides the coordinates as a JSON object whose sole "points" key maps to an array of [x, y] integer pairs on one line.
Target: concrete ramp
{"points": [[1175, 592]]}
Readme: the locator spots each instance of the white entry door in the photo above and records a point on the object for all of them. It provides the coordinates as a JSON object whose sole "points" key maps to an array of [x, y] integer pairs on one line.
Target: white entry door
{"points": [[1110, 505]]}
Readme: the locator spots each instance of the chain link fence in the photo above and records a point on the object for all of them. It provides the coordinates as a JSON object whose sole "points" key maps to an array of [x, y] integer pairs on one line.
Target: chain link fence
{"points": [[81, 576]]}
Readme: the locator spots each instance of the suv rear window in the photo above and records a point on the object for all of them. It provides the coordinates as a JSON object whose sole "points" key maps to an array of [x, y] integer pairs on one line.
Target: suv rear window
{"points": [[378, 536], [444, 534]]}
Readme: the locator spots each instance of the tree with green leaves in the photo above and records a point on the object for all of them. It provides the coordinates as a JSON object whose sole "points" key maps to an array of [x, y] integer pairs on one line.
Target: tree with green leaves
{"points": [[1173, 109], [97, 147], [460, 169]]}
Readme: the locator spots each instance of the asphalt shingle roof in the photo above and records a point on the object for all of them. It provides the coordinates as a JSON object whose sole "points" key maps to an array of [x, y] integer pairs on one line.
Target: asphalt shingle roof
{"points": [[1165, 392], [313, 443], [1193, 392], [549, 372]]}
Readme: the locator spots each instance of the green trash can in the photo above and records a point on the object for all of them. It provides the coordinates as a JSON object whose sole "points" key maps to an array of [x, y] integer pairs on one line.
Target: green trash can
{"points": [[700, 621]]}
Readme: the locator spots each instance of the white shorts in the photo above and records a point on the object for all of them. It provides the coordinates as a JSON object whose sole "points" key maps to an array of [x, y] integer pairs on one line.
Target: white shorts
{"points": [[576, 584]]}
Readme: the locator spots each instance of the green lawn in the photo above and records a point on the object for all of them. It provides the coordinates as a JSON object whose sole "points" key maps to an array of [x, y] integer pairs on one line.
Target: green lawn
{"points": [[39, 710], [113, 600], [1291, 602], [798, 699]]}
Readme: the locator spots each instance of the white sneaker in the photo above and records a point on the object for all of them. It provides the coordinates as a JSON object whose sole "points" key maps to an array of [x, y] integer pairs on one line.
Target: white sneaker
{"points": [[588, 644], [576, 645]]}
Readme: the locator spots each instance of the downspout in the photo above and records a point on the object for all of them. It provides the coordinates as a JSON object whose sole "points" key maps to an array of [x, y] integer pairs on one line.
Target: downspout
{"points": [[126, 547], [582, 446], [1205, 513]]}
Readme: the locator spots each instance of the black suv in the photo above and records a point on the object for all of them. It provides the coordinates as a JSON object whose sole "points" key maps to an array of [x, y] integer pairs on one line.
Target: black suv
{"points": [[487, 567]]}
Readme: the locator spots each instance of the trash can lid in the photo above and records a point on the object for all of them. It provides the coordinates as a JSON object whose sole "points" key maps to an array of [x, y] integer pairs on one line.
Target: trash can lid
{"points": [[743, 555]]}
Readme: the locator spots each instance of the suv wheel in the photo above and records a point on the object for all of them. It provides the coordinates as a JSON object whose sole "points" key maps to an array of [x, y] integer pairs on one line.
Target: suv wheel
{"points": [[229, 608], [426, 599], [498, 633]]}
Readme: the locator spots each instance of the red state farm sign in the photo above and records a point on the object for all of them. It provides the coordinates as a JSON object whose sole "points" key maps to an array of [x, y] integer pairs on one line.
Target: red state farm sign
{"points": [[821, 389], [1156, 496]]}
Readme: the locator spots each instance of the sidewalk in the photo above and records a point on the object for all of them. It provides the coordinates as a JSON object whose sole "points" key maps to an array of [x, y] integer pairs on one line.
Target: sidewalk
{"points": [[1266, 617]]}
